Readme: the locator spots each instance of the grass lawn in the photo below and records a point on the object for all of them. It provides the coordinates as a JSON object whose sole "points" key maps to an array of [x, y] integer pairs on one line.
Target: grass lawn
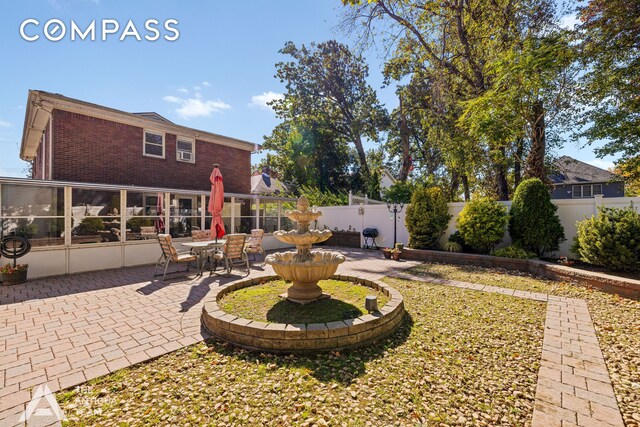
{"points": [[616, 319], [462, 357], [263, 303]]}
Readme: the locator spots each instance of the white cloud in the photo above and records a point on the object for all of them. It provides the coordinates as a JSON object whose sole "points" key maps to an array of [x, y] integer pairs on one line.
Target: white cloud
{"points": [[183, 90], [196, 107], [569, 22], [172, 99], [261, 100], [5, 124], [197, 88], [207, 84]]}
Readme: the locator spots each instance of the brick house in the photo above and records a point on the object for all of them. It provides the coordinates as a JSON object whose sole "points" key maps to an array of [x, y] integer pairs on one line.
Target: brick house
{"points": [[73, 140]]}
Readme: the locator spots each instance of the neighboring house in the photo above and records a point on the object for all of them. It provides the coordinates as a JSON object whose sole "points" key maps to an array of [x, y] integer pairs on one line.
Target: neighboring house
{"points": [[573, 179], [264, 183], [72, 140], [386, 180]]}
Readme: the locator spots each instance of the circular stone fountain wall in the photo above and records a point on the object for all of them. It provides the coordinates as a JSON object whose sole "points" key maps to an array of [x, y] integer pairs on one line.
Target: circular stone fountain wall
{"points": [[300, 338]]}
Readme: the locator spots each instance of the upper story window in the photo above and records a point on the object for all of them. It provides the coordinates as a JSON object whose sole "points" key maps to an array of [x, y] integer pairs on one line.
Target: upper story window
{"points": [[586, 190], [185, 150], [153, 144]]}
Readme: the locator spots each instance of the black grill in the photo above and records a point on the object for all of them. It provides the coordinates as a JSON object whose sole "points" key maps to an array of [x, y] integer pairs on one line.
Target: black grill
{"points": [[370, 235], [370, 232]]}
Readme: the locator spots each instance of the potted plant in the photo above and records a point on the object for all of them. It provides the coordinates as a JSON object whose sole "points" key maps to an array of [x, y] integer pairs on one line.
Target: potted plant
{"points": [[395, 254], [399, 246], [387, 252], [13, 275]]}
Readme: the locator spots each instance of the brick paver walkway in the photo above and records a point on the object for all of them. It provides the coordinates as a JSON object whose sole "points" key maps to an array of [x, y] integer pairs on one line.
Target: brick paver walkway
{"points": [[66, 330]]}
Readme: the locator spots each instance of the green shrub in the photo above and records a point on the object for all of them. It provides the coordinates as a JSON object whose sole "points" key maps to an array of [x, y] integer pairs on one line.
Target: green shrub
{"points": [[534, 224], [610, 239], [514, 252], [89, 225], [456, 237], [427, 218], [26, 229], [452, 247], [136, 222], [482, 224]]}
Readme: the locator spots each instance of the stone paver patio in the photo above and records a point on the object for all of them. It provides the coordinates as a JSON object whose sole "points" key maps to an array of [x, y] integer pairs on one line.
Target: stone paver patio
{"points": [[66, 330]]}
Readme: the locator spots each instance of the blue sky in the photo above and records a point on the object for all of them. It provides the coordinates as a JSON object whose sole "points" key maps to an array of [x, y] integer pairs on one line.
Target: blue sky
{"points": [[215, 77]]}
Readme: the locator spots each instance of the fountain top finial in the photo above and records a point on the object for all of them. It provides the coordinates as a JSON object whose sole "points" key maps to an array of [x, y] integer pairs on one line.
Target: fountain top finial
{"points": [[303, 204]]}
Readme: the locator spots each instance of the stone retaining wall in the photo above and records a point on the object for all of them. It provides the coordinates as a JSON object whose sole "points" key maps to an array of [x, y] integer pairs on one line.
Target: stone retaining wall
{"points": [[606, 282], [300, 338]]}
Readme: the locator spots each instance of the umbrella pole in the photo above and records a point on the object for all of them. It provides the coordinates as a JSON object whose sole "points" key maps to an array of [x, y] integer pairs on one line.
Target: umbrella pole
{"points": [[215, 166]]}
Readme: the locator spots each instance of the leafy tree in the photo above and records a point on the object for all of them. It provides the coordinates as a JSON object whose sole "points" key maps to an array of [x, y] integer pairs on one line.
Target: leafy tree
{"points": [[427, 218], [630, 172], [534, 224], [456, 53], [309, 156], [482, 223], [610, 34], [400, 192], [327, 93], [610, 239], [319, 197], [533, 88]]}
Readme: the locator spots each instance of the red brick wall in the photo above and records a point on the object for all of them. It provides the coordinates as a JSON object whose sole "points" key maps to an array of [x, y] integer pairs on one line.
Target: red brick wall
{"points": [[88, 149]]}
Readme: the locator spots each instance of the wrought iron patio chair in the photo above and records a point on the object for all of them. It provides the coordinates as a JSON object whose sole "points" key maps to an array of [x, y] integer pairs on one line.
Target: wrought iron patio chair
{"points": [[254, 244], [170, 254], [232, 254]]}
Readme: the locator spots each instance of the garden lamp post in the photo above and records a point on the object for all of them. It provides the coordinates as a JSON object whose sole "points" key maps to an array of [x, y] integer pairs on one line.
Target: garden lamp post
{"points": [[395, 208]]}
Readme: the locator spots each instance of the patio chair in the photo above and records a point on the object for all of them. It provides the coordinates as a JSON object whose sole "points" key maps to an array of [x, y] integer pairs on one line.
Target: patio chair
{"points": [[254, 244], [170, 254], [232, 253], [148, 233], [200, 235]]}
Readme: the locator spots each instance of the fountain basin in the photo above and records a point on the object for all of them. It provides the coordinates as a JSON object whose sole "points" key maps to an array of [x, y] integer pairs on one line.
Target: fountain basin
{"points": [[305, 274], [311, 237], [303, 338]]}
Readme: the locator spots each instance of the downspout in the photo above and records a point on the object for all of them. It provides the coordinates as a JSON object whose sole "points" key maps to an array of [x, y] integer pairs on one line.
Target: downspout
{"points": [[44, 153], [51, 148]]}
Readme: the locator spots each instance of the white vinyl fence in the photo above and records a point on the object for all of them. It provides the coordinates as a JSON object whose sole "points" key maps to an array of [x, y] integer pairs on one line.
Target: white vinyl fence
{"points": [[378, 216]]}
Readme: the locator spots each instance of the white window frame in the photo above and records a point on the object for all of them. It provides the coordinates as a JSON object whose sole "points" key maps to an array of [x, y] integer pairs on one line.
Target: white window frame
{"points": [[144, 143], [193, 149], [582, 186]]}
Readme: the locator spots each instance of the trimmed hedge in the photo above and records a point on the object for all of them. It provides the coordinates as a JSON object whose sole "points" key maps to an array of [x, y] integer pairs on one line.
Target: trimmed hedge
{"points": [[534, 224], [482, 224], [427, 218], [610, 239]]}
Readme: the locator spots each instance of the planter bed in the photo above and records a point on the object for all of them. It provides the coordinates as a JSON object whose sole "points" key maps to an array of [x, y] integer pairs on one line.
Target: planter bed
{"points": [[345, 239], [606, 282]]}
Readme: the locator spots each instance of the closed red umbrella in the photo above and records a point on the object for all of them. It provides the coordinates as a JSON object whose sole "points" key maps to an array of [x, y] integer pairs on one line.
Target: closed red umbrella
{"points": [[216, 202], [159, 222]]}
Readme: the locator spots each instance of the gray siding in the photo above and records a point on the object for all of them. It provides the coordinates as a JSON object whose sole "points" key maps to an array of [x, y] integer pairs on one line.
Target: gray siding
{"points": [[610, 189]]}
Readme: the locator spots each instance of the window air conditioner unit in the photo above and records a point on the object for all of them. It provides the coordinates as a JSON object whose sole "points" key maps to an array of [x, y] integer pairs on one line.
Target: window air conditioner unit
{"points": [[184, 155]]}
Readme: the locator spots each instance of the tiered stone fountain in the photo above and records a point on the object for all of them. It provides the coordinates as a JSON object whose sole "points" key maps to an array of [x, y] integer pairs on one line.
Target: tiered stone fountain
{"points": [[305, 268]]}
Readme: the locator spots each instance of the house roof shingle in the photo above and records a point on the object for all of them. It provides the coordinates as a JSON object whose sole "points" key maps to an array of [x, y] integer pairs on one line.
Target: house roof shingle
{"points": [[567, 170]]}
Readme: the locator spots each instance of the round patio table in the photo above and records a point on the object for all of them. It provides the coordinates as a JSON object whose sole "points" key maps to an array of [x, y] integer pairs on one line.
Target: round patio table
{"points": [[200, 250]]}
